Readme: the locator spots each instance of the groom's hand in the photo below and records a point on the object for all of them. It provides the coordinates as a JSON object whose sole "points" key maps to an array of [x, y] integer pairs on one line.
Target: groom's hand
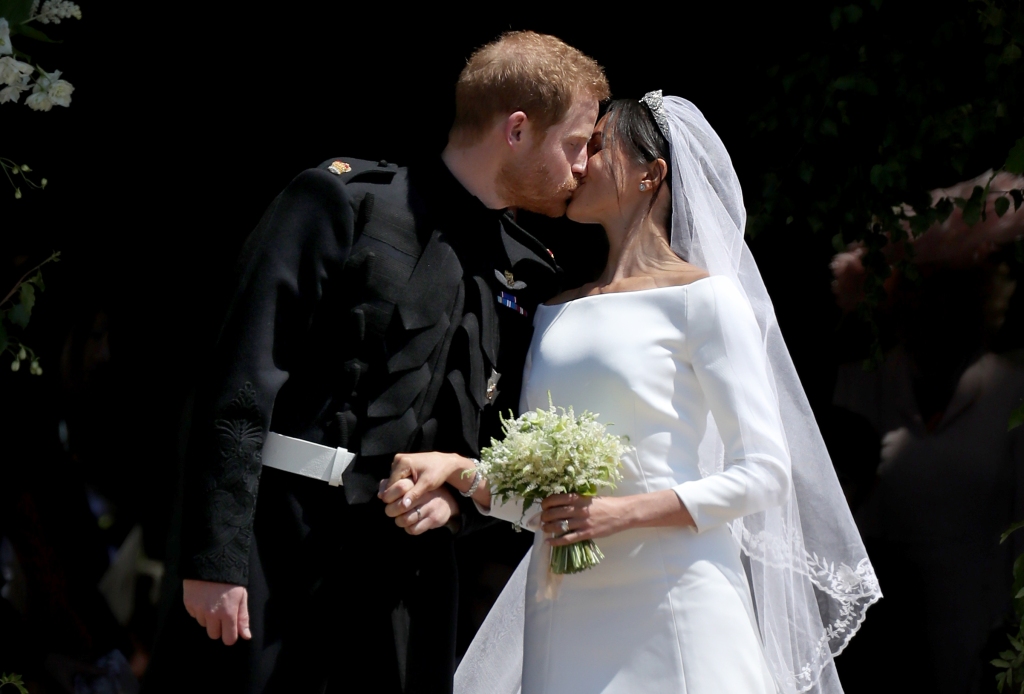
{"points": [[220, 607], [432, 510]]}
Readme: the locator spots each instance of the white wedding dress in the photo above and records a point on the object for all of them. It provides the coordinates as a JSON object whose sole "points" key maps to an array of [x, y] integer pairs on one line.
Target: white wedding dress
{"points": [[668, 609]]}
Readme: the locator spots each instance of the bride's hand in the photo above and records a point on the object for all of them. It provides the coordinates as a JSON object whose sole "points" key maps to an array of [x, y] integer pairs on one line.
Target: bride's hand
{"points": [[427, 471], [588, 517]]}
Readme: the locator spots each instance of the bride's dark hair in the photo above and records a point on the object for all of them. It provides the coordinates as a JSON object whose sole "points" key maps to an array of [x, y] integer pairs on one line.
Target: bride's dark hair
{"points": [[632, 130]]}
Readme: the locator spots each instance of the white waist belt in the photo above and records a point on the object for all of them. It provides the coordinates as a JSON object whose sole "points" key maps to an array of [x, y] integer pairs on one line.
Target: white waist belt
{"points": [[306, 459]]}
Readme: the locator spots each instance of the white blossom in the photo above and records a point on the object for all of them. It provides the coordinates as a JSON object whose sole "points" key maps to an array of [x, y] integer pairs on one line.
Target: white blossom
{"points": [[39, 101], [53, 11], [49, 91], [13, 92], [59, 92], [5, 37], [13, 71]]}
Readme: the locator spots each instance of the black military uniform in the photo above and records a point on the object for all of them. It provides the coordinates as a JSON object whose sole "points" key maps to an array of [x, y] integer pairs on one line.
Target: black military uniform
{"points": [[382, 310]]}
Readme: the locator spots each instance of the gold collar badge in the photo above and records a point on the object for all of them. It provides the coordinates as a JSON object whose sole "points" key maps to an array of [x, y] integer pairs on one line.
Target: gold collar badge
{"points": [[508, 280]]}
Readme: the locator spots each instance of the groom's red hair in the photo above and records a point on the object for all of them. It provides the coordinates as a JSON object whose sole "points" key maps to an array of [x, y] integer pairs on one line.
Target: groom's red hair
{"points": [[537, 74]]}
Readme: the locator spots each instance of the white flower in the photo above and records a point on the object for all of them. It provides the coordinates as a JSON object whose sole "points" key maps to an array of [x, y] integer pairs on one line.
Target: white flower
{"points": [[9, 94], [39, 101], [13, 92], [55, 10], [49, 91], [13, 71], [59, 92], [5, 37]]}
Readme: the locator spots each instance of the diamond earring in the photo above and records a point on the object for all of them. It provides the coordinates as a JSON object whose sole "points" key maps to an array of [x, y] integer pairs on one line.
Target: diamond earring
{"points": [[643, 187]]}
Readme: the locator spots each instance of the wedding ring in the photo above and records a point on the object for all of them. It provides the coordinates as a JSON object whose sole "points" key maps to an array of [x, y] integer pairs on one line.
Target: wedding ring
{"points": [[418, 512], [564, 525]]}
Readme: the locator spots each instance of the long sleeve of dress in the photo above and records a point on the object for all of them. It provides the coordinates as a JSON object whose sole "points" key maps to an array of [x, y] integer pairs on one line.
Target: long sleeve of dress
{"points": [[299, 247], [729, 360]]}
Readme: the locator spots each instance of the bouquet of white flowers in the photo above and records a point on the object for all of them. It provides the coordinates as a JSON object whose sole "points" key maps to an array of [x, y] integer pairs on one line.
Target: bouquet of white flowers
{"points": [[548, 452]]}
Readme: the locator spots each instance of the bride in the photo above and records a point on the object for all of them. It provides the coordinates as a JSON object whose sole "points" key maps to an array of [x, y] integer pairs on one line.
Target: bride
{"points": [[732, 564]]}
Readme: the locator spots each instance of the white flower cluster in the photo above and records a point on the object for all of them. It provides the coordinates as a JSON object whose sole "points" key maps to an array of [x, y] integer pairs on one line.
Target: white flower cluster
{"points": [[5, 38], [53, 11], [15, 75], [545, 453], [49, 89]]}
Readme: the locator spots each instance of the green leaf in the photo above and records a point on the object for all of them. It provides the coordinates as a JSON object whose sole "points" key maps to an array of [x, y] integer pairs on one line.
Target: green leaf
{"points": [[806, 171], [13, 679], [852, 13], [1011, 54], [1000, 663], [37, 280], [16, 11], [972, 207], [31, 32], [18, 316], [858, 83], [1002, 204], [22, 311], [944, 208], [1015, 159], [1018, 566], [28, 296], [1016, 417]]}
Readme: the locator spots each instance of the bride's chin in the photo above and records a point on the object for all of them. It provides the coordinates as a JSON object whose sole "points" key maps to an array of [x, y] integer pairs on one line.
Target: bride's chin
{"points": [[576, 212]]}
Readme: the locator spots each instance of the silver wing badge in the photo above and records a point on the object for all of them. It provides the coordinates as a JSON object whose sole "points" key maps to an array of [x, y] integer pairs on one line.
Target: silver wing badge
{"points": [[508, 280]]}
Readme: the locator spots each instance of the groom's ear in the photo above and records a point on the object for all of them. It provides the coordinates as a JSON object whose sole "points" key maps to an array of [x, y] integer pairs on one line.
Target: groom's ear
{"points": [[515, 129]]}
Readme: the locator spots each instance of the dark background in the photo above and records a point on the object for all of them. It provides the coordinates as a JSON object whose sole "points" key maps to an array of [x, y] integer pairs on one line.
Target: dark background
{"points": [[186, 121]]}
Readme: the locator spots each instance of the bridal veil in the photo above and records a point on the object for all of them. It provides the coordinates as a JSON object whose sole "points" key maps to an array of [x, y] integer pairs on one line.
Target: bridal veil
{"points": [[810, 577]]}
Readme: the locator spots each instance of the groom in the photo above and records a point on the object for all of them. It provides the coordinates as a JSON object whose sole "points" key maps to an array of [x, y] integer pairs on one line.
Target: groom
{"points": [[378, 310]]}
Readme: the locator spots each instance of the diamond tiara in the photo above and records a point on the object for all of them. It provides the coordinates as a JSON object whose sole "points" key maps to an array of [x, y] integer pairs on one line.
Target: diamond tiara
{"points": [[656, 103]]}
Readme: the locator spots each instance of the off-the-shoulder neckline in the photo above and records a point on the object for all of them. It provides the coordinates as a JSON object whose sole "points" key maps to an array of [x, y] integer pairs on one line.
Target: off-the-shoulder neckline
{"points": [[629, 291]]}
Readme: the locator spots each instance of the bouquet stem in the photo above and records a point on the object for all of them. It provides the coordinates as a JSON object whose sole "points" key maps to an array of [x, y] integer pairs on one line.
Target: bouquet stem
{"points": [[571, 559]]}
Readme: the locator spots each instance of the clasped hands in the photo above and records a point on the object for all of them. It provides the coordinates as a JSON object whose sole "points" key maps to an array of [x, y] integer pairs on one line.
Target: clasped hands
{"points": [[415, 494], [417, 498]]}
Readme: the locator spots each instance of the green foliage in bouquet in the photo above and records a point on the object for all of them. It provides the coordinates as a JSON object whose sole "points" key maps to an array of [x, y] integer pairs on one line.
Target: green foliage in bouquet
{"points": [[552, 451]]}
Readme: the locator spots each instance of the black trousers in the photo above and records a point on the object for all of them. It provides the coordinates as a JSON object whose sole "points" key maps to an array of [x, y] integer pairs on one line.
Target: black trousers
{"points": [[340, 600]]}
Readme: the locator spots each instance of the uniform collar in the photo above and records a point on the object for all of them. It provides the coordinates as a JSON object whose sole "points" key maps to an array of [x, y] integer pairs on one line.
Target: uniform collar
{"points": [[447, 199]]}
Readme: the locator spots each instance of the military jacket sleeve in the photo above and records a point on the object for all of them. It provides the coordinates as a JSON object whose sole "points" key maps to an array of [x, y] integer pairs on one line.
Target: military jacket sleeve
{"points": [[296, 252]]}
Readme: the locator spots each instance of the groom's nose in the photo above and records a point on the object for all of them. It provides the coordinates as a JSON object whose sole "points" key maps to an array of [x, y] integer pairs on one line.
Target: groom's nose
{"points": [[579, 165]]}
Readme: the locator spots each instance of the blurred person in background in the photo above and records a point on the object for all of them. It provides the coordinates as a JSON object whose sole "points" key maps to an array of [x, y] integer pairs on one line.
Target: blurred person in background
{"points": [[74, 616], [950, 475]]}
